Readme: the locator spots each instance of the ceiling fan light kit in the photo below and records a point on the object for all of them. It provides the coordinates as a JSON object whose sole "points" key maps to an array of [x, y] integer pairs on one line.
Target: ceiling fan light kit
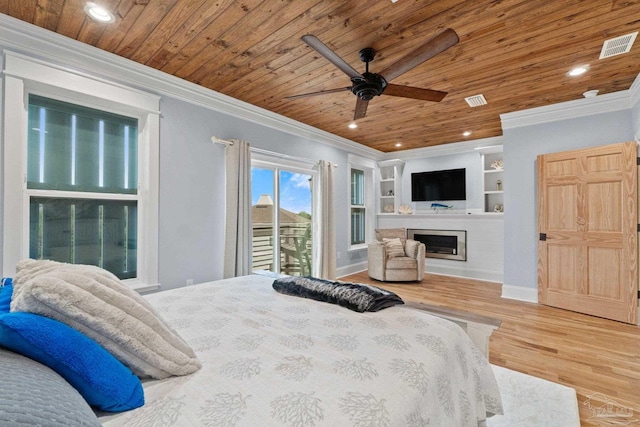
{"points": [[367, 85]]}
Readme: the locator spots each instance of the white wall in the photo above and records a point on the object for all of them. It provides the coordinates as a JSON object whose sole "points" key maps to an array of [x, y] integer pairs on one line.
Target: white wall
{"points": [[470, 161], [522, 144], [192, 196], [191, 225], [484, 245], [192, 192]]}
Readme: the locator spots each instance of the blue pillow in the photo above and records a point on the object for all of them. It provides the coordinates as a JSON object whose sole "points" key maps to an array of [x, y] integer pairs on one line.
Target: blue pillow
{"points": [[100, 378], [6, 290]]}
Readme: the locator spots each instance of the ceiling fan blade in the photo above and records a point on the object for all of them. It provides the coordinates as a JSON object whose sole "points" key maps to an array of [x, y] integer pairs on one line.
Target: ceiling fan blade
{"points": [[361, 109], [436, 45], [321, 92], [330, 55], [414, 92]]}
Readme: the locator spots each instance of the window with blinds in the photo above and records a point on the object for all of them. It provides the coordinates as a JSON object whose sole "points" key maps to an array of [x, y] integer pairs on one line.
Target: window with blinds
{"points": [[82, 184]]}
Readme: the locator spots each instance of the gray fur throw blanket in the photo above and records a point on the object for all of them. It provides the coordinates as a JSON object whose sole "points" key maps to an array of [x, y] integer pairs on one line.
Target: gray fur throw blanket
{"points": [[354, 296]]}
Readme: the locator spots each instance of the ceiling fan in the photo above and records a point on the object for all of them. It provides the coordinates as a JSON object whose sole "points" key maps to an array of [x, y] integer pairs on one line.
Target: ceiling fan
{"points": [[367, 85]]}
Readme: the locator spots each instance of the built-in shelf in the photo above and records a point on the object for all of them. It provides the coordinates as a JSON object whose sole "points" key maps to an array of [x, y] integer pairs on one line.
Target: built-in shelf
{"points": [[492, 179], [390, 186]]}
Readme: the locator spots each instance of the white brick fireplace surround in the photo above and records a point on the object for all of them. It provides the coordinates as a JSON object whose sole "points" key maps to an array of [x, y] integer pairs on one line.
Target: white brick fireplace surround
{"points": [[485, 242]]}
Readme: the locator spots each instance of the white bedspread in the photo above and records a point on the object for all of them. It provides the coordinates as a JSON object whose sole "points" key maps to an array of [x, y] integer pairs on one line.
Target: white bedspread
{"points": [[276, 360]]}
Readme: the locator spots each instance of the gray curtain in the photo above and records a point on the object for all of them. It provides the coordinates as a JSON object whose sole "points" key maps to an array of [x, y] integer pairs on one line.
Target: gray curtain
{"points": [[326, 254], [238, 231]]}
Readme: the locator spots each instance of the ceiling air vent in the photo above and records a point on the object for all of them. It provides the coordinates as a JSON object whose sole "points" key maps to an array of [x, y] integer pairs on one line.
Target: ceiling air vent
{"points": [[476, 100], [617, 46]]}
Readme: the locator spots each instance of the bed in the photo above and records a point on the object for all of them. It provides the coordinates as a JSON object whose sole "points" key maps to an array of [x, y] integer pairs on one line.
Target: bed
{"points": [[278, 360], [76, 343]]}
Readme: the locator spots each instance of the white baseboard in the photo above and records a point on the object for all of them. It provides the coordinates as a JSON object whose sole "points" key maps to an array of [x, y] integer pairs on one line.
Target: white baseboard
{"points": [[520, 293], [351, 269], [486, 275], [469, 273]]}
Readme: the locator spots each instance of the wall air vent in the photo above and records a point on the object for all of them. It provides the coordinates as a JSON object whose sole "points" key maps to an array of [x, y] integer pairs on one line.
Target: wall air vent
{"points": [[476, 100], [617, 46]]}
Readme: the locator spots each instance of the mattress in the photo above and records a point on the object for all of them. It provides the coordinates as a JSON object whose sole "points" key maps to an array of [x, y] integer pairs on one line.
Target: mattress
{"points": [[277, 360]]}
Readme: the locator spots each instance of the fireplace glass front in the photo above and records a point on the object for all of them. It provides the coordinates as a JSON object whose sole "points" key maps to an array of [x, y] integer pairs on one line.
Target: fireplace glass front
{"points": [[446, 244]]}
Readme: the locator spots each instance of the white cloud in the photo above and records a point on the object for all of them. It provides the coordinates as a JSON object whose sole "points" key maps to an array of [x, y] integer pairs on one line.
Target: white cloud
{"points": [[295, 194], [300, 180]]}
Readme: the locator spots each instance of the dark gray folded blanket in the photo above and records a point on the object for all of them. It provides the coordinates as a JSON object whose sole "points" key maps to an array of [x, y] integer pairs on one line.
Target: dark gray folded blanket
{"points": [[354, 296]]}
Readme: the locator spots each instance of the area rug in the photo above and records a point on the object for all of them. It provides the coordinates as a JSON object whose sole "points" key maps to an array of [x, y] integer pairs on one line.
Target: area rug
{"points": [[533, 402]]}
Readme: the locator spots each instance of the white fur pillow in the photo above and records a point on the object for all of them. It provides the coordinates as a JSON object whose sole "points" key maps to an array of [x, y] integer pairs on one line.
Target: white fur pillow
{"points": [[95, 302]]}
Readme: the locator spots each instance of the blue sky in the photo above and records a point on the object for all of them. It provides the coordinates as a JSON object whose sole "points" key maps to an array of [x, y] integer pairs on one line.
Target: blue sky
{"points": [[295, 193]]}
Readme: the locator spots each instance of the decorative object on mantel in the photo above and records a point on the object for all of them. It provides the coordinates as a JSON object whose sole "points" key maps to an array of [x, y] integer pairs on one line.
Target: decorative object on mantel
{"points": [[499, 185], [405, 209], [498, 208], [497, 164], [438, 207], [388, 208]]}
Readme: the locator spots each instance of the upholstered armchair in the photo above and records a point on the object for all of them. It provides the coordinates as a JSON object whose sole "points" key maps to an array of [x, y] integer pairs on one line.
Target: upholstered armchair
{"points": [[394, 258]]}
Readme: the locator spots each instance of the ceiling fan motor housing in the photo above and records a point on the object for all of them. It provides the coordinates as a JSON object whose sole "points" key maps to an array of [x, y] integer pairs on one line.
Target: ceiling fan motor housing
{"points": [[368, 85]]}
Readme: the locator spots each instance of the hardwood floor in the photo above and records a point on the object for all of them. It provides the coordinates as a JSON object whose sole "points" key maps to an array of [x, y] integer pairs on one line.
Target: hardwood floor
{"points": [[599, 358]]}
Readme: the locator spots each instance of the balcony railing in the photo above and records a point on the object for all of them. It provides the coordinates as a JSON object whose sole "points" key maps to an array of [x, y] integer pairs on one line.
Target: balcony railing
{"points": [[295, 248]]}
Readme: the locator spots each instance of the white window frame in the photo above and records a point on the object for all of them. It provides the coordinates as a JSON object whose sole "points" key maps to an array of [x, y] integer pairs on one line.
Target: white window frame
{"points": [[266, 160], [368, 166], [24, 75]]}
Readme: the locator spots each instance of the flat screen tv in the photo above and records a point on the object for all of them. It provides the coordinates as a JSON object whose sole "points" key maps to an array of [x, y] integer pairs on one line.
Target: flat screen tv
{"points": [[438, 185]]}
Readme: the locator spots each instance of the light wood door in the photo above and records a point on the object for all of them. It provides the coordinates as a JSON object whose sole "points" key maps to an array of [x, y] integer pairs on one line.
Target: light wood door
{"points": [[587, 219]]}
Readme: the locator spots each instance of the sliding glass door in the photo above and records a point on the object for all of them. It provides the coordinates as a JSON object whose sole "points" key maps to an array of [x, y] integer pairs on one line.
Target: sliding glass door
{"points": [[282, 219]]}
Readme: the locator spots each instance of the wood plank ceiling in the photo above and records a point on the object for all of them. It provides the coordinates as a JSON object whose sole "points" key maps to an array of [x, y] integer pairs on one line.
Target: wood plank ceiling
{"points": [[514, 52]]}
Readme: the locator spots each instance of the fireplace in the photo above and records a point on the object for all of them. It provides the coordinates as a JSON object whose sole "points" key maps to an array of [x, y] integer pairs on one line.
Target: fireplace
{"points": [[446, 244]]}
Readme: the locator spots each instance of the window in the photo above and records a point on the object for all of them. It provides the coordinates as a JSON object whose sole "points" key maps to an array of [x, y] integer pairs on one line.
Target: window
{"points": [[93, 155], [358, 209], [80, 171], [361, 212]]}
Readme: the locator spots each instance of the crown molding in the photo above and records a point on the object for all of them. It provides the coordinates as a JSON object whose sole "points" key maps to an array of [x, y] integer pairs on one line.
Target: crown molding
{"points": [[74, 56], [634, 92], [81, 58], [444, 149], [606, 103]]}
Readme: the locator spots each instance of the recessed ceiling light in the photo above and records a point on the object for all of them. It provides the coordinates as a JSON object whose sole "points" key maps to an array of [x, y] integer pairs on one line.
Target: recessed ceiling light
{"points": [[578, 71], [352, 125], [466, 133], [398, 144], [99, 13]]}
